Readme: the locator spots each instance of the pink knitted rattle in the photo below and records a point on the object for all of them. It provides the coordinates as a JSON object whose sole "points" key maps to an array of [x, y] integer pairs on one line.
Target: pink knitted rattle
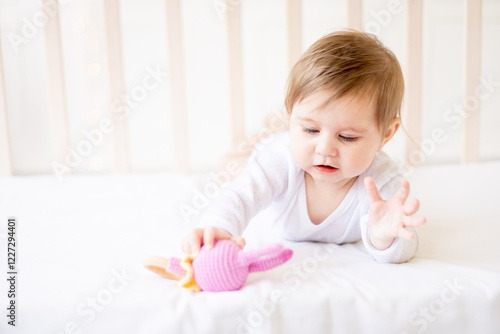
{"points": [[225, 267]]}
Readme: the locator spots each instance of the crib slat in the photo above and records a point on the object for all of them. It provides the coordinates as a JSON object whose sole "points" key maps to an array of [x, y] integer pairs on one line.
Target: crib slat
{"points": [[354, 13], [57, 105], [117, 86], [177, 76], [413, 104], [294, 31], [236, 93], [472, 103], [5, 158]]}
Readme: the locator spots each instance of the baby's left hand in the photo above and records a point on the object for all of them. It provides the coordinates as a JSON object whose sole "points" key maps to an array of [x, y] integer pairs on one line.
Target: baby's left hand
{"points": [[389, 218]]}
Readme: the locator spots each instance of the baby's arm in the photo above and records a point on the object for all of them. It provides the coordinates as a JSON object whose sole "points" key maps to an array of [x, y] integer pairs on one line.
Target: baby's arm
{"points": [[264, 177]]}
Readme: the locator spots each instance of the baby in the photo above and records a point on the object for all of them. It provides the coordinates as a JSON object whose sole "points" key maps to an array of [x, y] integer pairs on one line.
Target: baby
{"points": [[327, 178]]}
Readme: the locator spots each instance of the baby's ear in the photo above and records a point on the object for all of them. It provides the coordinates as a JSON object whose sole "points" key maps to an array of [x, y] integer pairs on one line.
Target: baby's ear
{"points": [[390, 132]]}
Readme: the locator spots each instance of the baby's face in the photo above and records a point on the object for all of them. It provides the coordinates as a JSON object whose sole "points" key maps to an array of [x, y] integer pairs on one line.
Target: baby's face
{"points": [[336, 142]]}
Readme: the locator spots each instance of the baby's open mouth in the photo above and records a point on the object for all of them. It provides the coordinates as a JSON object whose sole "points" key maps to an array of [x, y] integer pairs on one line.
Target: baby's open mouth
{"points": [[326, 168]]}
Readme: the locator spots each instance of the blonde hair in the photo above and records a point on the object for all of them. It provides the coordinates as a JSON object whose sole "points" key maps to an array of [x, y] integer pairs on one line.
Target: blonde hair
{"points": [[349, 62]]}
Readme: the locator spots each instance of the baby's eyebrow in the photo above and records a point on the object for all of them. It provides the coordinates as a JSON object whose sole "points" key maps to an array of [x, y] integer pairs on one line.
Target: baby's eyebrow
{"points": [[361, 131], [305, 119]]}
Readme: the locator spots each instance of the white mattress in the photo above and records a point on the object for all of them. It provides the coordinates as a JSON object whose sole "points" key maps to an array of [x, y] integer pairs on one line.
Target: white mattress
{"points": [[80, 244]]}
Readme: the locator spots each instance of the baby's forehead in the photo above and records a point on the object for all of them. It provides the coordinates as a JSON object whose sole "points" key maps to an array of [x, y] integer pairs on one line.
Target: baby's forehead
{"points": [[353, 110], [325, 100]]}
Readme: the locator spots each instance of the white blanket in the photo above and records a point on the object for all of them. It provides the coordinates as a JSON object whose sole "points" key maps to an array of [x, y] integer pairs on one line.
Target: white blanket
{"points": [[80, 243]]}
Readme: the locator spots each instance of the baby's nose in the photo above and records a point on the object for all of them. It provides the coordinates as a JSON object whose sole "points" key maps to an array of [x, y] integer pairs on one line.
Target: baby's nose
{"points": [[327, 148]]}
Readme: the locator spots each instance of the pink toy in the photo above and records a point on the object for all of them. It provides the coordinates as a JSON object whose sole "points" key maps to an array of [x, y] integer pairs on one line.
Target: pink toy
{"points": [[225, 267]]}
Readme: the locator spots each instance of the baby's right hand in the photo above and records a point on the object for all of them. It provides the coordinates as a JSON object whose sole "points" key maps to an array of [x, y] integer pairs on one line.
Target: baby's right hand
{"points": [[206, 236]]}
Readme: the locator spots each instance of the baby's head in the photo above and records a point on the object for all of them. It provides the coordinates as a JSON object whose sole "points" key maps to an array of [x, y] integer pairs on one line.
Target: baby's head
{"points": [[349, 63], [344, 98]]}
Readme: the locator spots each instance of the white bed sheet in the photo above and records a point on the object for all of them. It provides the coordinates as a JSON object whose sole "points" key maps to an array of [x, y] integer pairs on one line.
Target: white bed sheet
{"points": [[81, 241]]}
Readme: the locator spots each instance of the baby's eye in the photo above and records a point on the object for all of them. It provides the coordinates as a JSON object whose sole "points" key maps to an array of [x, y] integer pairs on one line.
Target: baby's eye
{"points": [[310, 130], [348, 139]]}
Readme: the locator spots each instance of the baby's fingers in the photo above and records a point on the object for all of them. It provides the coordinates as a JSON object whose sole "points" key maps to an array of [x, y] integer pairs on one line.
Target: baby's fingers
{"points": [[212, 234], [403, 192], [371, 190], [192, 243], [240, 241], [406, 234], [208, 236], [414, 221], [412, 207]]}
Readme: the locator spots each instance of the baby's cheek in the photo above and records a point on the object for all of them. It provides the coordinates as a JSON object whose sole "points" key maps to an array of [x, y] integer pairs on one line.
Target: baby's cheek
{"points": [[361, 162], [297, 155], [299, 151]]}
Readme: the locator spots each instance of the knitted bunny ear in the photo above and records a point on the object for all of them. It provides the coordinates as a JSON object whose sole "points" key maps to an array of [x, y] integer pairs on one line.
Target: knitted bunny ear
{"points": [[267, 258], [174, 266], [166, 267]]}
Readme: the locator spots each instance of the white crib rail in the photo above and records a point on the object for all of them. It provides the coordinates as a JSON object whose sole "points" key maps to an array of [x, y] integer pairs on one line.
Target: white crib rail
{"points": [[236, 93], [413, 93], [294, 31], [56, 88], [179, 120], [354, 14], [473, 23], [121, 148], [5, 159]]}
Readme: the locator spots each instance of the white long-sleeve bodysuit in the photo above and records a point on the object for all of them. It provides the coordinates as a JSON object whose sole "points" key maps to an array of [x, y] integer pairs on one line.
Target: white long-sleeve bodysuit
{"points": [[272, 180]]}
